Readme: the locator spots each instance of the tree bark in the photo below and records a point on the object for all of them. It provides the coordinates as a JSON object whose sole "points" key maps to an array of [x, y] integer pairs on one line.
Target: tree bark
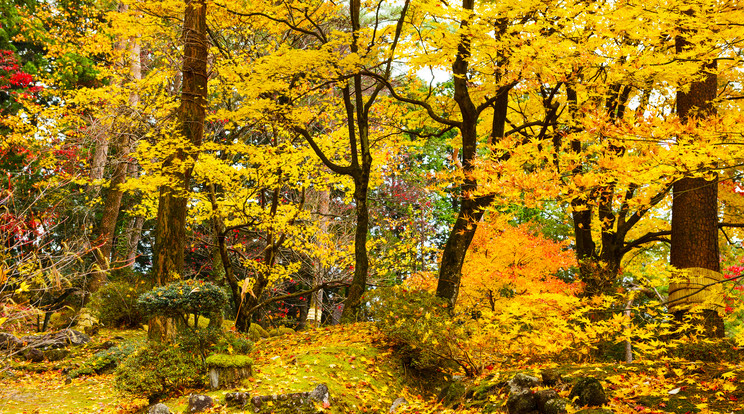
{"points": [[170, 233], [112, 203], [695, 199]]}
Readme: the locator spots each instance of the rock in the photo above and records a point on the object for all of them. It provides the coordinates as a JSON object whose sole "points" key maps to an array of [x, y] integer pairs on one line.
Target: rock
{"points": [[159, 408], [59, 339], [400, 402], [550, 378], [555, 406], [321, 394], [199, 403], [522, 399], [521, 402], [33, 355], [56, 354], [452, 393], [588, 392], [543, 396], [9, 342], [300, 402], [521, 382], [237, 399]]}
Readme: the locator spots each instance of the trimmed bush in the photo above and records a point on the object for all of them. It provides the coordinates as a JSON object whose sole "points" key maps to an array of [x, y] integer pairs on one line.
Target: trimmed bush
{"points": [[105, 360], [157, 370], [184, 297]]}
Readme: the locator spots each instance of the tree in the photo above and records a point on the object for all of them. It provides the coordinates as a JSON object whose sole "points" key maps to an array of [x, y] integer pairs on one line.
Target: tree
{"points": [[170, 231], [694, 238]]}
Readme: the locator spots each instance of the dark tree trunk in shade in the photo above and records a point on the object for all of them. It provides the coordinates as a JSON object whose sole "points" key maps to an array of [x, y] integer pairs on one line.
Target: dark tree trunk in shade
{"points": [[170, 231], [695, 199]]}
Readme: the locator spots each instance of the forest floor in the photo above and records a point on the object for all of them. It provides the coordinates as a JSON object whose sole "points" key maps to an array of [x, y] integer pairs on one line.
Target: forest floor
{"points": [[364, 375]]}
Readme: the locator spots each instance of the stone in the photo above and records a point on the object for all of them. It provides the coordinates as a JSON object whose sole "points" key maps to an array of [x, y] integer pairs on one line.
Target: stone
{"points": [[159, 408], [321, 394], [33, 355], [237, 399], [299, 402], [521, 402], [399, 402], [543, 396], [56, 354], [59, 339], [588, 392], [555, 406], [9, 342], [550, 377], [199, 403], [522, 381]]}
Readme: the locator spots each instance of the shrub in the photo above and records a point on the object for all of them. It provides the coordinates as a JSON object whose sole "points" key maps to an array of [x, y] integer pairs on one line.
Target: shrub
{"points": [[185, 297], [115, 305], [105, 360], [157, 370], [420, 329]]}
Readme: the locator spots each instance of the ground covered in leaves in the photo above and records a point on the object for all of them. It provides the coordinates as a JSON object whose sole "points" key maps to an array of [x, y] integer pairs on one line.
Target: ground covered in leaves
{"points": [[364, 375]]}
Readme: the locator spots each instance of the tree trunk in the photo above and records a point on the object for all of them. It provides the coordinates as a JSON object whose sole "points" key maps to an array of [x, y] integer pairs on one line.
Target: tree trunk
{"points": [[315, 311], [112, 203], [471, 206], [695, 199], [353, 303], [170, 233]]}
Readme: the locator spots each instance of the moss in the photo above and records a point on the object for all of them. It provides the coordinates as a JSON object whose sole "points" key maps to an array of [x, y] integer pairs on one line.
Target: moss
{"points": [[256, 332], [282, 330], [229, 361]]}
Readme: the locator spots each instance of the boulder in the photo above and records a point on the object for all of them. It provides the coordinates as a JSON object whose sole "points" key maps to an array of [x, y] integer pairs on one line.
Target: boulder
{"points": [[588, 392], [56, 354], [300, 402], [543, 396], [237, 399], [59, 339], [199, 403], [555, 406], [33, 355], [159, 408], [522, 381], [550, 377], [9, 342], [400, 402], [522, 399]]}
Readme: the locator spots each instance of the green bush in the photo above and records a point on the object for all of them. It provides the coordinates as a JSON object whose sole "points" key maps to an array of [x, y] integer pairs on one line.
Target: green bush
{"points": [[105, 360], [157, 370], [184, 297], [115, 305]]}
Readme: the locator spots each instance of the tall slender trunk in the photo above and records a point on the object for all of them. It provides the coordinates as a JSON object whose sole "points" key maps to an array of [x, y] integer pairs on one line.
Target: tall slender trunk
{"points": [[112, 203], [170, 233], [315, 312]]}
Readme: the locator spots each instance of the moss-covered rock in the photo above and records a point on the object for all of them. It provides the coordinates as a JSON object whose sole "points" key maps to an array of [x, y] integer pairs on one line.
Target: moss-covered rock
{"points": [[227, 370], [229, 361]]}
